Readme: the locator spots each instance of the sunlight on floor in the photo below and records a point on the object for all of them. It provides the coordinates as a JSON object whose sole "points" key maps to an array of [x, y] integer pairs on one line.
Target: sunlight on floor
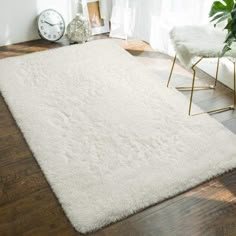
{"points": [[217, 188]]}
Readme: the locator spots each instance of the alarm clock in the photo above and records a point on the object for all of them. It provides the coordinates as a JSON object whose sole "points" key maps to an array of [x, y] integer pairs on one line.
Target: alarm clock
{"points": [[51, 25]]}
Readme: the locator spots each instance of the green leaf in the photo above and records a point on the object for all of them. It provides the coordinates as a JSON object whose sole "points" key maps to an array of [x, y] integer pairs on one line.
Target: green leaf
{"points": [[229, 37], [225, 49], [233, 24], [221, 10], [217, 16], [225, 16], [225, 6], [229, 24], [230, 4]]}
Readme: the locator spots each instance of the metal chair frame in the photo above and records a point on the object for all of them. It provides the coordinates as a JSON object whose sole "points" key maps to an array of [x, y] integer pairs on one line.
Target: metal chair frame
{"points": [[194, 88]]}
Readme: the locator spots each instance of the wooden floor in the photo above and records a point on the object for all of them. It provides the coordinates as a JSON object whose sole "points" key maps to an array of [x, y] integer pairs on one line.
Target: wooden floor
{"points": [[28, 206]]}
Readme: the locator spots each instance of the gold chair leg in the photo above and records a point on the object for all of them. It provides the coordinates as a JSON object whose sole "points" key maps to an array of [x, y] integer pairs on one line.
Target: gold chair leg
{"points": [[191, 97], [227, 108], [234, 84], [217, 71], [184, 88], [223, 109], [193, 85], [197, 88], [193, 88], [171, 72]]}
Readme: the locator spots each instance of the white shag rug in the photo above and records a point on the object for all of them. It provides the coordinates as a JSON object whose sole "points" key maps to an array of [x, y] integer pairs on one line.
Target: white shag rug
{"points": [[110, 138]]}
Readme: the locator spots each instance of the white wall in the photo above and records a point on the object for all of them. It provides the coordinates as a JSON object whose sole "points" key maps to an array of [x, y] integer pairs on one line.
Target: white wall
{"points": [[18, 17], [226, 69]]}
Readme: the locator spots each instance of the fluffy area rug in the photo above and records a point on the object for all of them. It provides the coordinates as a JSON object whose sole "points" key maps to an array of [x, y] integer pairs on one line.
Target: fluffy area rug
{"points": [[110, 138]]}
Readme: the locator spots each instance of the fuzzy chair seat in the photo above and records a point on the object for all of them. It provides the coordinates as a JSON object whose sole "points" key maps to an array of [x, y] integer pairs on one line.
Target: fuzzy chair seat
{"points": [[199, 41]]}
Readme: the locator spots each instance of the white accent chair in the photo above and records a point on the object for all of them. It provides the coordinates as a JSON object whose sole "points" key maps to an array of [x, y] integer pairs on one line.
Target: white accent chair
{"points": [[192, 42]]}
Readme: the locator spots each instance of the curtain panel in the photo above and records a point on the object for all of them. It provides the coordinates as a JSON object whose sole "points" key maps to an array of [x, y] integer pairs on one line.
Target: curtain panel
{"points": [[106, 8], [152, 20]]}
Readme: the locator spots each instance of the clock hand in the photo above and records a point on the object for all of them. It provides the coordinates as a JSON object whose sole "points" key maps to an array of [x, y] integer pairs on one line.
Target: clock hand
{"points": [[48, 23]]}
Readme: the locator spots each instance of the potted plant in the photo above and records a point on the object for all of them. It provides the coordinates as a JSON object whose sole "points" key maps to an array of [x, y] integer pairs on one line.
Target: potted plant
{"points": [[225, 10]]}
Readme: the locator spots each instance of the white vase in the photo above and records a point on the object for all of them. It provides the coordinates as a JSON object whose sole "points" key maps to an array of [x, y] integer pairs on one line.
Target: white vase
{"points": [[79, 29]]}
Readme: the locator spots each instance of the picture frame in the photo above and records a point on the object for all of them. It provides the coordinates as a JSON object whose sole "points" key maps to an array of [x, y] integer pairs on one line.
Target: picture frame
{"points": [[92, 12]]}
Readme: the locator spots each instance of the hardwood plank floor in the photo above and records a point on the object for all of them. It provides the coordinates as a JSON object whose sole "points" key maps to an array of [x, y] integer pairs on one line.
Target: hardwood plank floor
{"points": [[29, 207]]}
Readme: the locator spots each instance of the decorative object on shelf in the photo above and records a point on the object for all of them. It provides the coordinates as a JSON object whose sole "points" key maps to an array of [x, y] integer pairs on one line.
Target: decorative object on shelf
{"points": [[51, 25], [98, 25], [79, 29]]}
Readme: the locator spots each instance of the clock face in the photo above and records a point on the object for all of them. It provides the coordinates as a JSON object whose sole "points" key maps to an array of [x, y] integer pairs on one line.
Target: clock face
{"points": [[51, 25]]}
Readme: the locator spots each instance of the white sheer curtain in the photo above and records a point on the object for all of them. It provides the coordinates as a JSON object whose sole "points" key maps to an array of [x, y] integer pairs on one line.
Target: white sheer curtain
{"points": [[151, 20], [106, 8]]}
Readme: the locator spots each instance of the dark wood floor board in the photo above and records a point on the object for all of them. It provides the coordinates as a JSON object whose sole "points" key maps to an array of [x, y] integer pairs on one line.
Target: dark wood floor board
{"points": [[11, 54], [9, 130], [19, 180], [37, 210], [13, 148], [29, 207], [14, 155], [5, 120], [34, 43]]}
